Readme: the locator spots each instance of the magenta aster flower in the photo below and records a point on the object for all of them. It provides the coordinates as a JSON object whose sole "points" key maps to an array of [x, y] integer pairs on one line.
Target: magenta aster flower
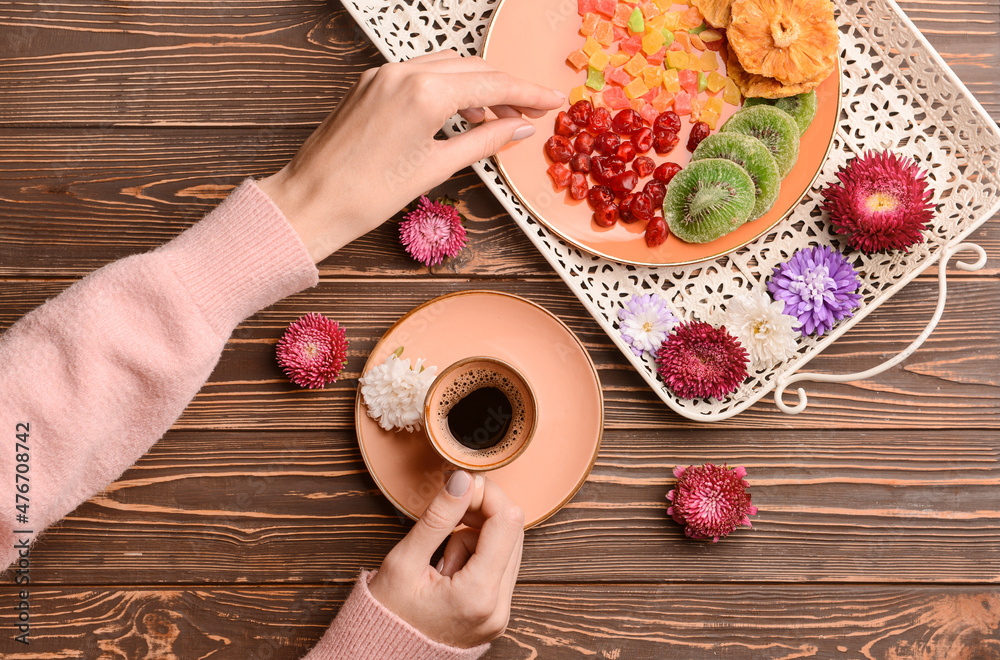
{"points": [[701, 361], [312, 351], [645, 322], [432, 231], [882, 203], [710, 501], [818, 286]]}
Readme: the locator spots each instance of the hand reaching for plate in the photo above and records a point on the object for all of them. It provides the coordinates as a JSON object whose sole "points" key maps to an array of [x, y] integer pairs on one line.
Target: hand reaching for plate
{"points": [[376, 152], [465, 601]]}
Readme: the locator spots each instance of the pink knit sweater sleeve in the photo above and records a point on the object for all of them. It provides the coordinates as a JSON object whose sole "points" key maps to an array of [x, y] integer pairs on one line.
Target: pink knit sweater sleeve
{"points": [[93, 377]]}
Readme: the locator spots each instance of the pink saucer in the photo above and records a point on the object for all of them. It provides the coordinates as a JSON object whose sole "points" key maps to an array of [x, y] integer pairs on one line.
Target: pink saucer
{"points": [[531, 39], [570, 404]]}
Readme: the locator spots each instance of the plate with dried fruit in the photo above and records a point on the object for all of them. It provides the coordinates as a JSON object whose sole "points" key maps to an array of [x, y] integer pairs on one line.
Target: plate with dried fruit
{"points": [[657, 158]]}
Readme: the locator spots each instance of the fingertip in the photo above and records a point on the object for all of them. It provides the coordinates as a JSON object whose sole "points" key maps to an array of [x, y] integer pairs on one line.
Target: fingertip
{"points": [[458, 484], [527, 129]]}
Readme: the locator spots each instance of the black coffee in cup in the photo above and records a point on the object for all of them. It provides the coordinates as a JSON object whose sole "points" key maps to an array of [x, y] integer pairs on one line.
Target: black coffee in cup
{"points": [[480, 419]]}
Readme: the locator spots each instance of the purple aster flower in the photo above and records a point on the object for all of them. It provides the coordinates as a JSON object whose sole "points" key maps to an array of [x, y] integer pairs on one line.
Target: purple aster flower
{"points": [[645, 322], [818, 287]]}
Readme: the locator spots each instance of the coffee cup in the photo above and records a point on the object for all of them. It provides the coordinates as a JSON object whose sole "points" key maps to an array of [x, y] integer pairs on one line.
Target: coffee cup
{"points": [[480, 413]]}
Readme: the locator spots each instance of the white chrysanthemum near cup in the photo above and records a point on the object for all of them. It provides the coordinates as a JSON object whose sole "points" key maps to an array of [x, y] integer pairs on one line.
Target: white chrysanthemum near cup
{"points": [[394, 392], [762, 327]]}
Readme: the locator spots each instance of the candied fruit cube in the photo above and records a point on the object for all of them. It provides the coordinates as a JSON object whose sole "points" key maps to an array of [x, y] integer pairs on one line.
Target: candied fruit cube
{"points": [[615, 98], [657, 57], [688, 80], [577, 59], [696, 42], [731, 95], [622, 14], [684, 39], [696, 107], [637, 104], [595, 79], [649, 113], [663, 5], [590, 22], [673, 20], [712, 39], [716, 83], [650, 96], [604, 34], [578, 94], [606, 7], [620, 32], [585, 7], [708, 61], [652, 42], [668, 37], [677, 59], [635, 65], [618, 76], [650, 10], [653, 76], [663, 100], [670, 81], [636, 23], [714, 104], [682, 103], [702, 81], [591, 46], [710, 117], [599, 60], [698, 30], [691, 18], [631, 45], [635, 89], [619, 59]]}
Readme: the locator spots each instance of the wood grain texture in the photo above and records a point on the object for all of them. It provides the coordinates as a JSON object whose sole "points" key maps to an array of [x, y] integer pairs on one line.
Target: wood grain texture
{"points": [[72, 200], [666, 622], [950, 383], [300, 507]]}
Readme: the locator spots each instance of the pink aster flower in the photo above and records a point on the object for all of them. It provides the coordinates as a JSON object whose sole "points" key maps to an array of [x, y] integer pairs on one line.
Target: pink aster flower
{"points": [[882, 203], [710, 501], [701, 361], [432, 231], [312, 351]]}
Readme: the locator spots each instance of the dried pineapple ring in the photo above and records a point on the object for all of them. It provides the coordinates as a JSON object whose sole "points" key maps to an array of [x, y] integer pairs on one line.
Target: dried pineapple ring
{"points": [[753, 85], [716, 12], [792, 41]]}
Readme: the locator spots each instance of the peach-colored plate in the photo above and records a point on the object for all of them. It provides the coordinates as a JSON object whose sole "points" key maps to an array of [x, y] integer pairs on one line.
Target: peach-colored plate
{"points": [[568, 392], [531, 39]]}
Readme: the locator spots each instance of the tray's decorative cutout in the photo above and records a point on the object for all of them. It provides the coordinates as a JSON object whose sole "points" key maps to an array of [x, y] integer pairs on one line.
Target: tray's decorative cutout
{"points": [[898, 94]]}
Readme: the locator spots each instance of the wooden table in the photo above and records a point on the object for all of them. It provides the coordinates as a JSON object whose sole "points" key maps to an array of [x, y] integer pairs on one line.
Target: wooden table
{"points": [[239, 534]]}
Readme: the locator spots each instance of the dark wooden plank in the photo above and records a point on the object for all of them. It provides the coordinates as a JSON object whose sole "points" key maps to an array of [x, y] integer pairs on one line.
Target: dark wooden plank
{"points": [[262, 62], [74, 200], [950, 383], [555, 623], [300, 507]]}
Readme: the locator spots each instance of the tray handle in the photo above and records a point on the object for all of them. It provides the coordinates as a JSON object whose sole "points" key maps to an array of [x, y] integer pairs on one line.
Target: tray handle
{"points": [[948, 252]]}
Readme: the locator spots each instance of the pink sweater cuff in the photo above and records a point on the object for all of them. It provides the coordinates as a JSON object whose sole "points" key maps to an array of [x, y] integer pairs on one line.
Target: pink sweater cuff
{"points": [[365, 628], [242, 257]]}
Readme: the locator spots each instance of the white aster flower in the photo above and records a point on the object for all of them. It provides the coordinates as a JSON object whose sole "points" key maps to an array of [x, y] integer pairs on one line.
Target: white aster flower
{"points": [[394, 392], [764, 330]]}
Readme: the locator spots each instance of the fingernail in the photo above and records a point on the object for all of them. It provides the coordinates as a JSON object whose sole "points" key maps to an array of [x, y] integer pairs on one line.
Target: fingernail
{"points": [[459, 483], [559, 94], [440, 565], [480, 480], [523, 132]]}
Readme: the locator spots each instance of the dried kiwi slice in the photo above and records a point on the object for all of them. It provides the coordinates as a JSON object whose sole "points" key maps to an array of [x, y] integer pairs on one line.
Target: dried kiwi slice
{"points": [[750, 154], [707, 199], [775, 128], [802, 107]]}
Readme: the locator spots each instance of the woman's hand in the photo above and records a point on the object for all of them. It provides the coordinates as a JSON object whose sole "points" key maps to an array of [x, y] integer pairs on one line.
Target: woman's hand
{"points": [[376, 152], [465, 600]]}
